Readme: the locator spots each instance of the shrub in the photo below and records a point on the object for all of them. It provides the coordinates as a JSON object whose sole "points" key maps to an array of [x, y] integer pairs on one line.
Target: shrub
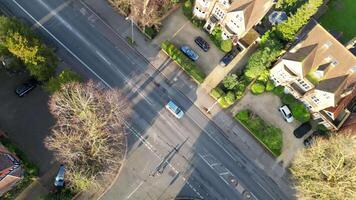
{"points": [[288, 99], [230, 81], [257, 88], [242, 115], [188, 9], [226, 45], [269, 85], [66, 76], [223, 103], [279, 91], [267, 134], [299, 111], [216, 93], [183, 61], [230, 98], [151, 32]]}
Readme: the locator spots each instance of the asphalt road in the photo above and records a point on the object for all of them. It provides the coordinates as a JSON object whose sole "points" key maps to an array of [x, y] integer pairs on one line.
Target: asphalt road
{"points": [[167, 157]]}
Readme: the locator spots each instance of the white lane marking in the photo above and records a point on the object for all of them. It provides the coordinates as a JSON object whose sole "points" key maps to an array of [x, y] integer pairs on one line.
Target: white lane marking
{"points": [[151, 148], [57, 40], [103, 57], [134, 190], [72, 53]]}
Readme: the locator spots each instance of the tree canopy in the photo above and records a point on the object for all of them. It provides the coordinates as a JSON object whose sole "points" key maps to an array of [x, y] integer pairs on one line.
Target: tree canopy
{"points": [[327, 170]]}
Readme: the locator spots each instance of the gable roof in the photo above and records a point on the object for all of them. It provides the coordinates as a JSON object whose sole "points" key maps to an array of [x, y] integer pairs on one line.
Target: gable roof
{"points": [[305, 55], [333, 84], [254, 10]]}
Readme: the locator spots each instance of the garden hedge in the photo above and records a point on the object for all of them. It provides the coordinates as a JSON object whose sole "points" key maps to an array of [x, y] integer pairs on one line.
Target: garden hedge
{"points": [[182, 60]]}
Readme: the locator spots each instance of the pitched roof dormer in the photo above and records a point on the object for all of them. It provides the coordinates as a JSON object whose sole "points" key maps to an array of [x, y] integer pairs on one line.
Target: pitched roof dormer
{"points": [[304, 56]]}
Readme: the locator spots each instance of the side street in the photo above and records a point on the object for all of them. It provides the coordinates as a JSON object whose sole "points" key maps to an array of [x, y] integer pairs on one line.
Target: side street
{"points": [[177, 99]]}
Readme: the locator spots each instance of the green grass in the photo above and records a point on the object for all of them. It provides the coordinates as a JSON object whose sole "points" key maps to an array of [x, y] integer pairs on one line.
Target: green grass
{"points": [[341, 17], [268, 135]]}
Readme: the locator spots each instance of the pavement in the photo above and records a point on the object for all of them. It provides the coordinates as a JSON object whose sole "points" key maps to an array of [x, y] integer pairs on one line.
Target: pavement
{"points": [[177, 29], [167, 157]]}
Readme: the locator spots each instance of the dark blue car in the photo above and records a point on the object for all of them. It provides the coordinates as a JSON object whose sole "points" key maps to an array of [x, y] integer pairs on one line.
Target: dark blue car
{"points": [[189, 52]]}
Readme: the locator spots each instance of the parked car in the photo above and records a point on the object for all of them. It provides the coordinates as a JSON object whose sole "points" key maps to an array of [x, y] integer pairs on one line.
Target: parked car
{"points": [[189, 52], [59, 179], [26, 87], [309, 141], [286, 113], [302, 130], [174, 109], [230, 56], [202, 43]]}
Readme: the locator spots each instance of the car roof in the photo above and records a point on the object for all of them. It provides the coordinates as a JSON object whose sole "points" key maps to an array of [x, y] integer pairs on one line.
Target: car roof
{"points": [[286, 109], [302, 130]]}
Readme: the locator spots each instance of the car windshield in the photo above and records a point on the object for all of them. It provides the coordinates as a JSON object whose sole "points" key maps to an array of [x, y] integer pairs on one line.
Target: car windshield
{"points": [[178, 111]]}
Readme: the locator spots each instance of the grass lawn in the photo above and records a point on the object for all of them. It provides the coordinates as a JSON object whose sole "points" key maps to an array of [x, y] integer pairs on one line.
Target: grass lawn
{"points": [[341, 17], [267, 134]]}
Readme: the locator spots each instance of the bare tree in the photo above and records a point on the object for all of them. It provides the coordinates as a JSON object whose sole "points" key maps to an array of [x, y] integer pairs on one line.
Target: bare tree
{"points": [[327, 170], [88, 136]]}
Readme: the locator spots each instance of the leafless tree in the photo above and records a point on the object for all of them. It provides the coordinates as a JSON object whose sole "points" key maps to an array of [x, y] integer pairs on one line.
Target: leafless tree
{"points": [[88, 135], [327, 170]]}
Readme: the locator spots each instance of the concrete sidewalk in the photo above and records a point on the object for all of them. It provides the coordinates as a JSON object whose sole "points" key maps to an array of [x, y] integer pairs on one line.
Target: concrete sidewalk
{"points": [[179, 80]]}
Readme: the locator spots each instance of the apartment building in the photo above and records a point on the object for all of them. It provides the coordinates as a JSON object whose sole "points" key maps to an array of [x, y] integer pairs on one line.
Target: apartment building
{"points": [[236, 17], [320, 72]]}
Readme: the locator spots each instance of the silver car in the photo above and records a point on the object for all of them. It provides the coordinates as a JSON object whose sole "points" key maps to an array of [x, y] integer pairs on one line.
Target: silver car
{"points": [[174, 109], [286, 113], [59, 180]]}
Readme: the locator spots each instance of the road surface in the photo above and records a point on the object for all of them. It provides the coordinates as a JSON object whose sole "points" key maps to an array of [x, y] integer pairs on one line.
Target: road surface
{"points": [[167, 157]]}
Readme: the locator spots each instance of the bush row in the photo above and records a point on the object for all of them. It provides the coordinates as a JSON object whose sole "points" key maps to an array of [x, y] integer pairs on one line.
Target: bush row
{"points": [[267, 134], [189, 66]]}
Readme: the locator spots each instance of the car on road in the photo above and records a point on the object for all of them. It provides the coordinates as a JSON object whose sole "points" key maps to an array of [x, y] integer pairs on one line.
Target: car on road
{"points": [[286, 113], [59, 179], [189, 52], [202, 43], [302, 130], [25, 88], [174, 109], [230, 56]]}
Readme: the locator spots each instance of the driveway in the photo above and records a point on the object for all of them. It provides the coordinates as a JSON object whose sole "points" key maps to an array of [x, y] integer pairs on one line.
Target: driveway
{"points": [[178, 29], [26, 120], [266, 106]]}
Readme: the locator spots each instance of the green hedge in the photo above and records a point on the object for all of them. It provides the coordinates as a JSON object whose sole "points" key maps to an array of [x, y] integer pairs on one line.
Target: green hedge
{"points": [[216, 93], [257, 88], [189, 66], [267, 134]]}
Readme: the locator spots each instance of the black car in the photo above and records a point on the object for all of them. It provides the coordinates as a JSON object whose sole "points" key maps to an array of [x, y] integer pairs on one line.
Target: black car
{"points": [[302, 130], [230, 56], [202, 43], [25, 88]]}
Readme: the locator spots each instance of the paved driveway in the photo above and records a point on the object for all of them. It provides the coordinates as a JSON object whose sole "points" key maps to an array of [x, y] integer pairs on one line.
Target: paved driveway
{"points": [[26, 120], [178, 29], [266, 106]]}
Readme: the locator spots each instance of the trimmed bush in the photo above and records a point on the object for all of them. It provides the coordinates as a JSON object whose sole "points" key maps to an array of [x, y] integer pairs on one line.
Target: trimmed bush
{"points": [[230, 98], [299, 111], [288, 99], [279, 91], [257, 88], [269, 85], [242, 115], [267, 134], [216, 93], [223, 103], [226, 45], [182, 60]]}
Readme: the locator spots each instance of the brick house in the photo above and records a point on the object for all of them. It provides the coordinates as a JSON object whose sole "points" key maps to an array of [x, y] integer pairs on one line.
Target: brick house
{"points": [[320, 72], [236, 17]]}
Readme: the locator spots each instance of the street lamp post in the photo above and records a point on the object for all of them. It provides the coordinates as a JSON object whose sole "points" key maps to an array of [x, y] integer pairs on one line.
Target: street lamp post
{"points": [[132, 34]]}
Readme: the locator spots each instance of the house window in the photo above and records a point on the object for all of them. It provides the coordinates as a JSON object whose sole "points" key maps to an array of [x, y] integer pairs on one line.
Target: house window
{"points": [[334, 62], [330, 114], [315, 99]]}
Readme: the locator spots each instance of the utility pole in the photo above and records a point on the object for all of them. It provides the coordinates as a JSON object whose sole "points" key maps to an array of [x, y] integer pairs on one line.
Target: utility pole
{"points": [[132, 34]]}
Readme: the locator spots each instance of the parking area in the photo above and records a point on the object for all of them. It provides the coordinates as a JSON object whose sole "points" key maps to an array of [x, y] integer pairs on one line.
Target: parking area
{"points": [[266, 106], [179, 30], [26, 120]]}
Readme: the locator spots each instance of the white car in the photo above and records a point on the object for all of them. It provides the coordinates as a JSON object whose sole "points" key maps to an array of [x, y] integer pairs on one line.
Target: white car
{"points": [[174, 109], [286, 113]]}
